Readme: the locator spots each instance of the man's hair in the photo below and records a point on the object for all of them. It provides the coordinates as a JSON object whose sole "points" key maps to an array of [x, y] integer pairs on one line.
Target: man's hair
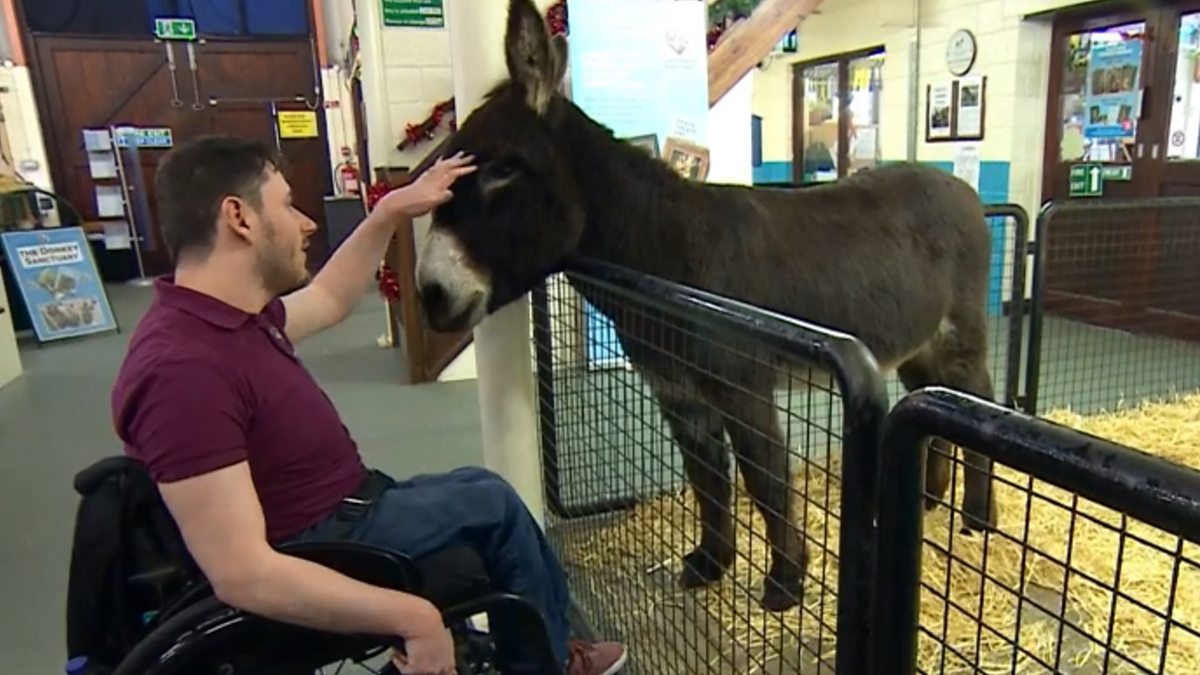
{"points": [[193, 179]]}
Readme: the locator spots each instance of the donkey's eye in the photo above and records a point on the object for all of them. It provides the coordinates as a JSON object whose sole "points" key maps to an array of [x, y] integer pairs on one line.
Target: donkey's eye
{"points": [[502, 170]]}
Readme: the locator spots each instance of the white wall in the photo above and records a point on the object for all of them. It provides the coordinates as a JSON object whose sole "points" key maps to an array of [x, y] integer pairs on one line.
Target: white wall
{"points": [[730, 156], [1012, 53], [22, 125], [406, 71], [10, 357]]}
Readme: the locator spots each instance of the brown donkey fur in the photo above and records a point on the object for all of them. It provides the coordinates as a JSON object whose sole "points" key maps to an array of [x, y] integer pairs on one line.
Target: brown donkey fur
{"points": [[897, 256]]}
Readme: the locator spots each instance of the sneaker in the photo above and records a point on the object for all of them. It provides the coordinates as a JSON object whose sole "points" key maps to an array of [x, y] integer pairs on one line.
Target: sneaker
{"points": [[596, 658]]}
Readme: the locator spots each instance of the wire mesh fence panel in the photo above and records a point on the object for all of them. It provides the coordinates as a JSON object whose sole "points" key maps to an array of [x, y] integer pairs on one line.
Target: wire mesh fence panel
{"points": [[695, 454], [1094, 566], [1116, 316]]}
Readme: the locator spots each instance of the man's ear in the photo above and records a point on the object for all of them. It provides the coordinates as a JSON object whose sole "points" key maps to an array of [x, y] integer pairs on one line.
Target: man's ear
{"points": [[532, 61], [231, 215]]}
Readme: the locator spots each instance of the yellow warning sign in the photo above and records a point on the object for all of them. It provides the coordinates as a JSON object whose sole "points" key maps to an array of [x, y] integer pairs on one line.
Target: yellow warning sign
{"points": [[297, 124]]}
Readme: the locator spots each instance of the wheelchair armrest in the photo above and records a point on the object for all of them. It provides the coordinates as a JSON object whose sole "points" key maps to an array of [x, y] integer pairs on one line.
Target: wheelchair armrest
{"points": [[445, 578], [362, 562]]}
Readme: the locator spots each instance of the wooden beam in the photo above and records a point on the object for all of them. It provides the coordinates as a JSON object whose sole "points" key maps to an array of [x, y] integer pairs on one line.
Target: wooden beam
{"points": [[750, 41]]}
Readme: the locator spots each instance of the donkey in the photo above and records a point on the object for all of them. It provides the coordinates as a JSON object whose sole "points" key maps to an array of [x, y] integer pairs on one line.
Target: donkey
{"points": [[896, 256]]}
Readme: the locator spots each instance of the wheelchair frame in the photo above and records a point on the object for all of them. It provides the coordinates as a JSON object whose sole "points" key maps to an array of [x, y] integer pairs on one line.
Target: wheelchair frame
{"points": [[196, 622]]}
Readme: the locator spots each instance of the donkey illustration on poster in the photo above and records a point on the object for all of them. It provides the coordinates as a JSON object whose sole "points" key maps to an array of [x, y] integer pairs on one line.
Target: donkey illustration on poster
{"points": [[897, 256]]}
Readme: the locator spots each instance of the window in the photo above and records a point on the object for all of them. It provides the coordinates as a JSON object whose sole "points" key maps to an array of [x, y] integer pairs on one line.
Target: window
{"points": [[839, 101]]}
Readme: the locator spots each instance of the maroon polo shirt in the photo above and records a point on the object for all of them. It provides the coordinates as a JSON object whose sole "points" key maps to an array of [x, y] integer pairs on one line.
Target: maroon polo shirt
{"points": [[205, 385]]}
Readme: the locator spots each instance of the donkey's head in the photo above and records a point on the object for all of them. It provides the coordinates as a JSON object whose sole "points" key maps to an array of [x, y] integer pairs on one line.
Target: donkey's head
{"points": [[511, 222]]}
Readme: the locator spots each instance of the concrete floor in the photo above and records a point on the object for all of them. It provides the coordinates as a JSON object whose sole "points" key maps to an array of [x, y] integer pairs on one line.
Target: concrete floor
{"points": [[55, 420]]}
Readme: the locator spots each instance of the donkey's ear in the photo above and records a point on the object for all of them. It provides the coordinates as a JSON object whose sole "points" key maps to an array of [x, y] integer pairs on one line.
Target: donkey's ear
{"points": [[558, 47], [531, 60]]}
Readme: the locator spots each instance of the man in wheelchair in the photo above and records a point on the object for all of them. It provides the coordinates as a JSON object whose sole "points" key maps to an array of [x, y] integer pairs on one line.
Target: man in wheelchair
{"points": [[249, 454]]}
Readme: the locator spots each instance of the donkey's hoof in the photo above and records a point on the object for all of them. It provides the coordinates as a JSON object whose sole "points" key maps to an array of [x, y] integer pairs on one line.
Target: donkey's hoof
{"points": [[701, 569], [779, 596], [978, 516]]}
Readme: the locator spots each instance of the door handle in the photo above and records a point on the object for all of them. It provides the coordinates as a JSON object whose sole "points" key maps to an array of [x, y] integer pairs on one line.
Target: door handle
{"points": [[1141, 150], [1154, 151]]}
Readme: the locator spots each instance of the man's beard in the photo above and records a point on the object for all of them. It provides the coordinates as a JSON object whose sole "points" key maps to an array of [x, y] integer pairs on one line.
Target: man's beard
{"points": [[276, 269]]}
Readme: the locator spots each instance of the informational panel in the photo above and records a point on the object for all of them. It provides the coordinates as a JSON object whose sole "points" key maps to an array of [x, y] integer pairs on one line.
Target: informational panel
{"points": [[1113, 102], [58, 280], [639, 67]]}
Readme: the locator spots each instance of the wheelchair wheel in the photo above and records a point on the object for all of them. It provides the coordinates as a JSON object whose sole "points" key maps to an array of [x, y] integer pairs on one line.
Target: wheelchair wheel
{"points": [[210, 638]]}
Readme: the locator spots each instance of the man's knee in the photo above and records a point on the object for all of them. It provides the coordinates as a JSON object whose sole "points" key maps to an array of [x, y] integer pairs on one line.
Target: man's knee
{"points": [[479, 474]]}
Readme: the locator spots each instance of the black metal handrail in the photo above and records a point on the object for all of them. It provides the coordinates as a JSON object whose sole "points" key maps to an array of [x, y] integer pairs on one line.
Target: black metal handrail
{"points": [[852, 365], [1161, 493]]}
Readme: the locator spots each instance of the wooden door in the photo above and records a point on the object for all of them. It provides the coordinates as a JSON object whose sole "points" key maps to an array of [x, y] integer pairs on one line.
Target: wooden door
{"points": [[1131, 269], [89, 83]]}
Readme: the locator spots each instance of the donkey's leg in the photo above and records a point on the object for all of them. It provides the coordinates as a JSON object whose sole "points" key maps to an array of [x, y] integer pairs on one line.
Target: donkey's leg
{"points": [[763, 458], [959, 356], [962, 353], [698, 430], [917, 372]]}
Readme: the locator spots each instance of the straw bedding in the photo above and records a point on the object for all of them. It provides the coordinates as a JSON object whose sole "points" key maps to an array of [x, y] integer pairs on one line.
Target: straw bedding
{"points": [[1021, 585]]}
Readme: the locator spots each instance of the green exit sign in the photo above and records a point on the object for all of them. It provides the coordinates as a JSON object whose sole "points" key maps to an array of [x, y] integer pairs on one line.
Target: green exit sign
{"points": [[1087, 180], [174, 29]]}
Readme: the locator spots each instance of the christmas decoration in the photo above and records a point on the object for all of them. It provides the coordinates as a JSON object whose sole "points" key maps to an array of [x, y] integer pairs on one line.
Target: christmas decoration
{"points": [[721, 15], [556, 18], [389, 286], [414, 134]]}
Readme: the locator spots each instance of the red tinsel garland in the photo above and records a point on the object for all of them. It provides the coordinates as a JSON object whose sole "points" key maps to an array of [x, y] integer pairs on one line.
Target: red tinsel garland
{"points": [[389, 287], [420, 132], [556, 18]]}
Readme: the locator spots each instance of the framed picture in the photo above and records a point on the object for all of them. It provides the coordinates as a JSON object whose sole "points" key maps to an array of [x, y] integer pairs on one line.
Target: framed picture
{"points": [[647, 142], [687, 159]]}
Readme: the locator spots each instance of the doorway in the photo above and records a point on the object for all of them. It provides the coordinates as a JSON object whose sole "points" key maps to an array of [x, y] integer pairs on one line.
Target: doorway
{"points": [[1123, 123], [1124, 103], [836, 134]]}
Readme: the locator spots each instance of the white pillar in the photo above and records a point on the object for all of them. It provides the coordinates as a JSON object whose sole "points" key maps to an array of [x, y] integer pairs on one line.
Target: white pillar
{"points": [[507, 404]]}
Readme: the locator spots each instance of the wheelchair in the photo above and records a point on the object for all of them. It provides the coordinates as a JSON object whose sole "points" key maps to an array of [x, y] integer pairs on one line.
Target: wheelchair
{"points": [[194, 633]]}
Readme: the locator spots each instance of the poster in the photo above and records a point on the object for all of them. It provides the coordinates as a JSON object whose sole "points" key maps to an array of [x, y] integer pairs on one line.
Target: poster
{"points": [[639, 67], [1113, 100], [57, 277], [940, 97], [970, 107]]}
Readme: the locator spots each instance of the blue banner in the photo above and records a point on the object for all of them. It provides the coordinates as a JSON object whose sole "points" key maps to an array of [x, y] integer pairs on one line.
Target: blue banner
{"points": [[1113, 98], [57, 277], [639, 67]]}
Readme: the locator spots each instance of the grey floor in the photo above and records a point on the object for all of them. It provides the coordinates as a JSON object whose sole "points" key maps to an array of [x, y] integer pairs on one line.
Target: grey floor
{"points": [[54, 420]]}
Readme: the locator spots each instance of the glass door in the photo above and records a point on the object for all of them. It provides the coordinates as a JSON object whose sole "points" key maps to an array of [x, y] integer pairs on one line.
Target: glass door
{"points": [[836, 116], [1098, 120]]}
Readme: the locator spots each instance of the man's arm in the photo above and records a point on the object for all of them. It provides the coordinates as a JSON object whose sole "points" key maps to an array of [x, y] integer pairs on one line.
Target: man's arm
{"points": [[346, 276], [219, 515]]}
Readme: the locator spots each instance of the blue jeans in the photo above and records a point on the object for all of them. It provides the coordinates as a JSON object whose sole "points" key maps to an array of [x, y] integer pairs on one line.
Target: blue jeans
{"points": [[476, 507]]}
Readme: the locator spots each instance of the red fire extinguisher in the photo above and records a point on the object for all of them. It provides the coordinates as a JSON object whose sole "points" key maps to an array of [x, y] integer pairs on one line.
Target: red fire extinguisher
{"points": [[348, 174]]}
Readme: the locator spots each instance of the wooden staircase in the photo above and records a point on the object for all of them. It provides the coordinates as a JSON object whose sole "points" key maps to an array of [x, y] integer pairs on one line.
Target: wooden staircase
{"points": [[741, 48]]}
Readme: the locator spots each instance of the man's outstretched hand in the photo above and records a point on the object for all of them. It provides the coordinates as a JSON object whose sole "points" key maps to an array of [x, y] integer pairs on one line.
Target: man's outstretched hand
{"points": [[431, 188]]}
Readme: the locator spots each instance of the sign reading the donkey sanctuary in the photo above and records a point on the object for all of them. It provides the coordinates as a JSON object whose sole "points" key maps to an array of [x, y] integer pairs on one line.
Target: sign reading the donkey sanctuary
{"points": [[639, 67], [58, 280]]}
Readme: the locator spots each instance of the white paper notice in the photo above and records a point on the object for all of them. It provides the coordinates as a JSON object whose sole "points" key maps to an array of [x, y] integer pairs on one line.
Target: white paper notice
{"points": [[102, 165], [966, 164], [939, 110], [109, 203], [97, 140], [970, 107], [116, 236]]}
